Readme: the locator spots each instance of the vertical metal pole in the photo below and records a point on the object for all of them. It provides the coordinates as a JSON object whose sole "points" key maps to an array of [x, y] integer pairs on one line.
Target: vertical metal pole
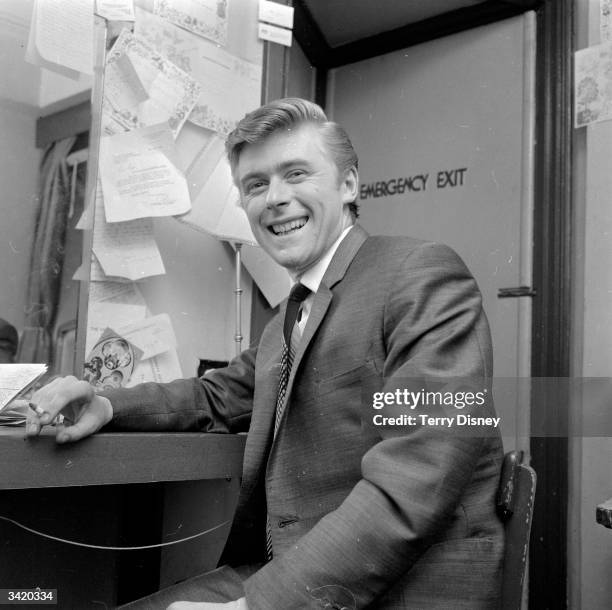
{"points": [[238, 293]]}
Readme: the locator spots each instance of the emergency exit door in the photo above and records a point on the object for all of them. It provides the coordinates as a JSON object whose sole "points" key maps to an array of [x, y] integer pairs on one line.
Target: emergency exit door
{"points": [[444, 134]]}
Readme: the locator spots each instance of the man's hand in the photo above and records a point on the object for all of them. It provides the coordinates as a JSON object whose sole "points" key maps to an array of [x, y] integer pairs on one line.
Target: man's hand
{"points": [[239, 604], [84, 411]]}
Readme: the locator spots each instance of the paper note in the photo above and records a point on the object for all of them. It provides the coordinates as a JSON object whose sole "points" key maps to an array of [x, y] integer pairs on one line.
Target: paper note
{"points": [[17, 378], [216, 209], [265, 31], [126, 249], [201, 168], [100, 315], [593, 84], [116, 303], [153, 335], [276, 14], [202, 17], [117, 293], [142, 87], [160, 369], [140, 177], [61, 36], [231, 86], [115, 10]]}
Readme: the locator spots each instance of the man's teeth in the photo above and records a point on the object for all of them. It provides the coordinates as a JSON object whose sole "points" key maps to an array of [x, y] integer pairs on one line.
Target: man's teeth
{"points": [[288, 227]]}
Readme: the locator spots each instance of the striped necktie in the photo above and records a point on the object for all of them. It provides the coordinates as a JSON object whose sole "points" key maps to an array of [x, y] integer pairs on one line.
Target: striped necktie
{"points": [[291, 337]]}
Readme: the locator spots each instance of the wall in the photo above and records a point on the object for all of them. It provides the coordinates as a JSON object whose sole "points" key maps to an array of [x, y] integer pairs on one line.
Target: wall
{"points": [[19, 88], [590, 545], [18, 176]]}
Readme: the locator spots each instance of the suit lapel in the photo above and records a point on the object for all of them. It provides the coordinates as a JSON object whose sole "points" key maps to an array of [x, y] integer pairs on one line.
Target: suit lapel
{"points": [[269, 351], [340, 262]]}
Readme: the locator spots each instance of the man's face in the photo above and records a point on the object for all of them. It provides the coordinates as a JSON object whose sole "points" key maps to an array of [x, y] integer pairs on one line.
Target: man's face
{"points": [[293, 196]]}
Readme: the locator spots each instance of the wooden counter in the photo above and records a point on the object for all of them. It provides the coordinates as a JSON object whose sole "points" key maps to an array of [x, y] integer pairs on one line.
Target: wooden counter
{"points": [[119, 489]]}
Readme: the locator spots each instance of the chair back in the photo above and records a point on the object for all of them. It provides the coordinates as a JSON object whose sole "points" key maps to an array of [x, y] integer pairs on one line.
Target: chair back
{"points": [[515, 499]]}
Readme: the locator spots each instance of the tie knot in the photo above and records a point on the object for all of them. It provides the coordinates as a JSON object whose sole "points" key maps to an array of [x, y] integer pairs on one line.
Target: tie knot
{"points": [[298, 293]]}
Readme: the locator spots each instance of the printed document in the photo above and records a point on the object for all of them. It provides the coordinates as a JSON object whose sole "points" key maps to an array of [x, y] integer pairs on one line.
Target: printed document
{"points": [[140, 177]]}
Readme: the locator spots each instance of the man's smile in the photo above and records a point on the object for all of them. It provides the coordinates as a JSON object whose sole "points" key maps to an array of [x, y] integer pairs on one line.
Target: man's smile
{"points": [[286, 228]]}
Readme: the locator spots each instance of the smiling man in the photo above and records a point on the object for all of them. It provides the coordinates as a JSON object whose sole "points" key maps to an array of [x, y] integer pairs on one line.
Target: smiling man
{"points": [[334, 511]]}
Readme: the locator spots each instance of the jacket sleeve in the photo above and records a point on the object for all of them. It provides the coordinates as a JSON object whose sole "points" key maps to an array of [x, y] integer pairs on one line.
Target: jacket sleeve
{"points": [[412, 478], [219, 401]]}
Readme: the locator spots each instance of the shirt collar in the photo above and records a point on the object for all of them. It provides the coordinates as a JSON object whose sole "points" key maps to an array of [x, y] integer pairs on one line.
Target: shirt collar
{"points": [[312, 277]]}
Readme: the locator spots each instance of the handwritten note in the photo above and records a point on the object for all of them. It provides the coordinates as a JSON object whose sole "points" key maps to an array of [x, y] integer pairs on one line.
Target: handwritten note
{"points": [[202, 17], [61, 36], [142, 87], [126, 249], [232, 86]]}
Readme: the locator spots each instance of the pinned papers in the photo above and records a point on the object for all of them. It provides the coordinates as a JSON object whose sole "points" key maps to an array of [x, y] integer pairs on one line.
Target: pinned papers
{"points": [[232, 86], [126, 249], [139, 175], [276, 14], [61, 36], [216, 208], [153, 335], [275, 22], [202, 17], [142, 87], [115, 10], [111, 361], [120, 302], [593, 84]]}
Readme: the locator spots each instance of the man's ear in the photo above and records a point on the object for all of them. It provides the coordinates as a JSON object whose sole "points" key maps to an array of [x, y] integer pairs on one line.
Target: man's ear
{"points": [[350, 185]]}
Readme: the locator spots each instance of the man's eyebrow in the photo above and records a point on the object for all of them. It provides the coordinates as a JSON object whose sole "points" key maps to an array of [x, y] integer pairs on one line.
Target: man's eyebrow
{"points": [[282, 166]]}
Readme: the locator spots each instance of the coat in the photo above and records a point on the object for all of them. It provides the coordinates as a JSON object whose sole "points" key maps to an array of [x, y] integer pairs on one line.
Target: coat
{"points": [[361, 515]]}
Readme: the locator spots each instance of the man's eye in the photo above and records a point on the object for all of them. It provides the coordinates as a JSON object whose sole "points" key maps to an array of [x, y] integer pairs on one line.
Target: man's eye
{"points": [[296, 174], [255, 187]]}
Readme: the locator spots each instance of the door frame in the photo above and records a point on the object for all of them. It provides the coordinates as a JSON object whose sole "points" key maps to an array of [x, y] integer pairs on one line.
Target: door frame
{"points": [[553, 238]]}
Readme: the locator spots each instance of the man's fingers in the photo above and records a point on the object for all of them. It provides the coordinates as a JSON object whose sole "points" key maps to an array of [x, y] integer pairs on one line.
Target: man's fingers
{"points": [[60, 393], [84, 427], [32, 428], [90, 420]]}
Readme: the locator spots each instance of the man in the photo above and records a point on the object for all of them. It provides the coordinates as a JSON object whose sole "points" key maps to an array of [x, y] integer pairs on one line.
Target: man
{"points": [[358, 514], [8, 342]]}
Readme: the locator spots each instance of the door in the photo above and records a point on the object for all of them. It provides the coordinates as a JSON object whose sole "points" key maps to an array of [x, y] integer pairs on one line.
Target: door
{"points": [[444, 134]]}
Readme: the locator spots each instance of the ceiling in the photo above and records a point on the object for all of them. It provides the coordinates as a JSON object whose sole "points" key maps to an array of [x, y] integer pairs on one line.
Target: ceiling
{"points": [[342, 22]]}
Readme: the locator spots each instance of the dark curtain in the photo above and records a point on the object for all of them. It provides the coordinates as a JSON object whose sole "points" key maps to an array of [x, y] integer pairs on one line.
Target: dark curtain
{"points": [[47, 253]]}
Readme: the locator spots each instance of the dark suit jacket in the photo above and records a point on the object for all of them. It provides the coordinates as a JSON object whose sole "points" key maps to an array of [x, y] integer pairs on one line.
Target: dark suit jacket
{"points": [[362, 516]]}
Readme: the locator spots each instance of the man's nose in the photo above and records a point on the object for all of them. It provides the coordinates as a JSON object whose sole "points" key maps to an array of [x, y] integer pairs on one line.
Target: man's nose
{"points": [[278, 193]]}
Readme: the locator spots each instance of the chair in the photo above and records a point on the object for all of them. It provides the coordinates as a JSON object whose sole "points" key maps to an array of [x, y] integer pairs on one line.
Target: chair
{"points": [[515, 498]]}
